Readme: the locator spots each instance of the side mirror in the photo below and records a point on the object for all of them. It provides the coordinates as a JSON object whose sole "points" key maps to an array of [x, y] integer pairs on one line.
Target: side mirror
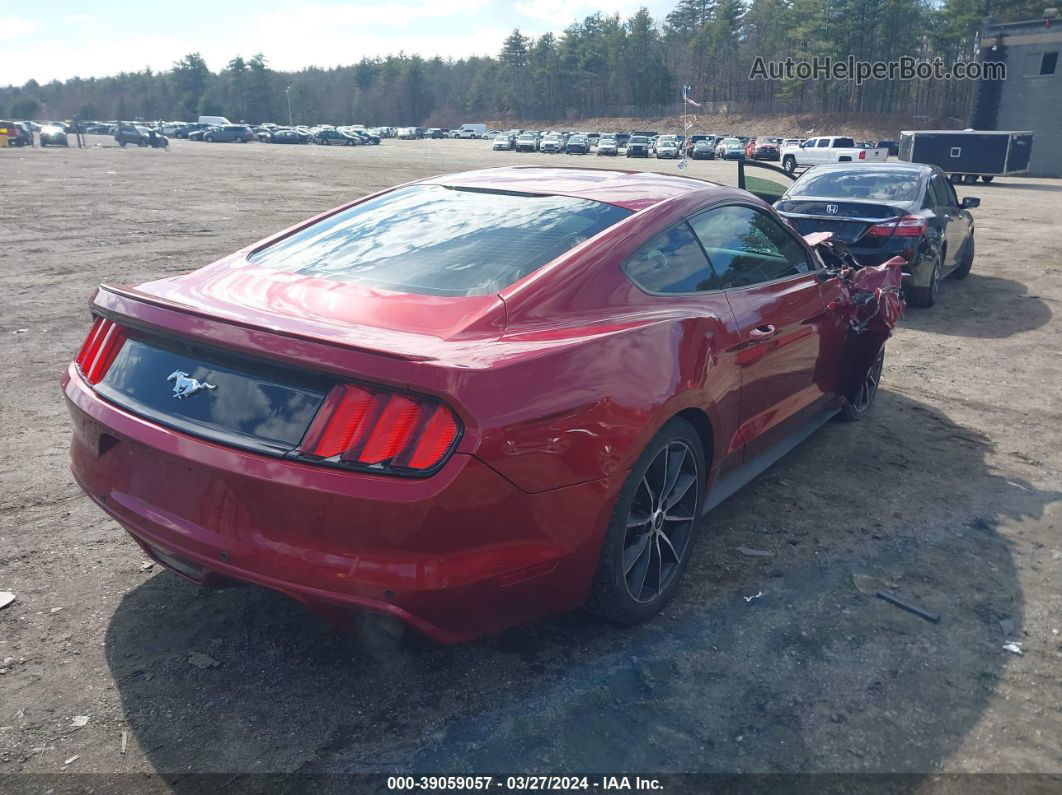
{"points": [[970, 202]]}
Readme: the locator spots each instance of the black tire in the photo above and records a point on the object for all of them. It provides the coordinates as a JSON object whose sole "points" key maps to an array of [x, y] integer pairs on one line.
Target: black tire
{"points": [[986, 179], [853, 411], [628, 555], [955, 178], [966, 262], [925, 297], [120, 143], [240, 139], [789, 164], [969, 179], [208, 138]]}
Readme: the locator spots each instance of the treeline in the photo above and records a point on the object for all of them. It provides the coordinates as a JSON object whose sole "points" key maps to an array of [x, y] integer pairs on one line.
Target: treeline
{"points": [[602, 66]]}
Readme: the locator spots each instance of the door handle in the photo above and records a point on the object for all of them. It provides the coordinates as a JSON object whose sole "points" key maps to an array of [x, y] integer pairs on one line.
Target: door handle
{"points": [[761, 332]]}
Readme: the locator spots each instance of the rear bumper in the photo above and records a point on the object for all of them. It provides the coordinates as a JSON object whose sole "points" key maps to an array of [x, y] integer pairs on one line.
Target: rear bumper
{"points": [[456, 555]]}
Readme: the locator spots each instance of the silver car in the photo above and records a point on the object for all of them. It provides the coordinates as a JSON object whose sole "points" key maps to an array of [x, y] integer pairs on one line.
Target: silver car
{"points": [[607, 146]]}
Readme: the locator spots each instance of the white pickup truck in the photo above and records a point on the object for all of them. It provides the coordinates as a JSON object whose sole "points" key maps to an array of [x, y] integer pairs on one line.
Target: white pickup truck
{"points": [[828, 149]]}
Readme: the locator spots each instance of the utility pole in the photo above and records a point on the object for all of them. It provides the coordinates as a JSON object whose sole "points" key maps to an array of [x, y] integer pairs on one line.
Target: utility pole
{"points": [[287, 93]]}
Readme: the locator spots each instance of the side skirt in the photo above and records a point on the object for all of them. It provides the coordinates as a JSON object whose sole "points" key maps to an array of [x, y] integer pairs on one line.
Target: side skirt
{"points": [[730, 484]]}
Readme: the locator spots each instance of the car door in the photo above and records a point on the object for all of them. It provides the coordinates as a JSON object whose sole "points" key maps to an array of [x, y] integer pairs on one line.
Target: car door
{"points": [[940, 230], [956, 222], [673, 267], [790, 340]]}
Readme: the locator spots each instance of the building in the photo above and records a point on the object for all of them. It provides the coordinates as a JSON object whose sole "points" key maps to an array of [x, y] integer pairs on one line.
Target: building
{"points": [[1030, 97]]}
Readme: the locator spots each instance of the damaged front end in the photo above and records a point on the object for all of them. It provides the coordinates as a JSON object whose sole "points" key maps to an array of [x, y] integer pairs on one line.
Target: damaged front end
{"points": [[876, 304]]}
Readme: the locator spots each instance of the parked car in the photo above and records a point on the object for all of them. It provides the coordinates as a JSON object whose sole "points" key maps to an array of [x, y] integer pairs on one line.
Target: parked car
{"points": [[198, 135], [407, 134], [286, 135], [703, 150], [413, 453], [828, 149], [471, 131], [18, 133], [638, 146], [890, 209], [668, 147], [53, 135], [552, 142], [367, 138], [893, 147], [526, 142], [503, 143], [730, 149], [185, 131], [606, 145], [9, 132], [135, 134], [577, 144], [327, 137], [229, 133], [763, 148]]}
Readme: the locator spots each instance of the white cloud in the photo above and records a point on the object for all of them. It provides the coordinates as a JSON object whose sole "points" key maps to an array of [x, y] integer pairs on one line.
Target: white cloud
{"points": [[13, 27]]}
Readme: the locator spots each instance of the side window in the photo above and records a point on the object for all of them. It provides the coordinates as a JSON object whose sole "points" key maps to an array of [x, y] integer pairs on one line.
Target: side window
{"points": [[938, 195], [747, 246], [931, 199], [949, 192], [823, 143], [672, 262]]}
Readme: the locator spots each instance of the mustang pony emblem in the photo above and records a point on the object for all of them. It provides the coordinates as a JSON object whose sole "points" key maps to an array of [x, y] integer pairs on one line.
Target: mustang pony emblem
{"points": [[186, 385]]}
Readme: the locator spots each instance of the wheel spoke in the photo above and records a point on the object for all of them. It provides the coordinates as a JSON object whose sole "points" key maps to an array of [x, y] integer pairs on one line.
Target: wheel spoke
{"points": [[669, 518], [636, 521], [678, 491], [670, 546], [649, 491], [633, 553], [659, 566], [640, 570], [671, 474]]}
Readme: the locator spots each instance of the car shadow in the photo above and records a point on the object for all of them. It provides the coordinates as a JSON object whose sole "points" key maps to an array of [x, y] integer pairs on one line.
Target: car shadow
{"points": [[985, 307], [773, 662]]}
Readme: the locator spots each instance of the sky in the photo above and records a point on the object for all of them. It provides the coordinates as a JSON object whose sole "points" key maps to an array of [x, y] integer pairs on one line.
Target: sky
{"points": [[59, 39]]}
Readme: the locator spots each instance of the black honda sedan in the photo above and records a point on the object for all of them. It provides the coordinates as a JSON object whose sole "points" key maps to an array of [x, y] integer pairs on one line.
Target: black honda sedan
{"points": [[889, 209]]}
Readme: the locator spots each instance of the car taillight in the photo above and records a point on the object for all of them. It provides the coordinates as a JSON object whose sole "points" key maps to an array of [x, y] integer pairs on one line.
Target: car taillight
{"points": [[381, 430], [105, 339], [862, 154], [905, 226]]}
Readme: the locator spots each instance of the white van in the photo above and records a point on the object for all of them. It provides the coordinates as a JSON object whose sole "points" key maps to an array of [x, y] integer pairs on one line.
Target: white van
{"points": [[216, 121], [472, 131]]}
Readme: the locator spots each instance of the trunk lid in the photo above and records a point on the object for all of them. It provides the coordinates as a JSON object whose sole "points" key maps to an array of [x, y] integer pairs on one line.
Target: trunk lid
{"points": [[847, 219]]}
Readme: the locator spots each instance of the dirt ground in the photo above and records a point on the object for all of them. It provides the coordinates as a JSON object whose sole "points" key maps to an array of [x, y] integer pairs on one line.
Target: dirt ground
{"points": [[950, 493]]}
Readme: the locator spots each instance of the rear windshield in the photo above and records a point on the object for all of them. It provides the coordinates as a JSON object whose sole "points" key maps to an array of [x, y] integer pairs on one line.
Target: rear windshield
{"points": [[862, 182], [438, 240]]}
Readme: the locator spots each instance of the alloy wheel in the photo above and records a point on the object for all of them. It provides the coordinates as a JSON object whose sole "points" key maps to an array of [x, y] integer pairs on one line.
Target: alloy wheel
{"points": [[660, 522], [869, 387]]}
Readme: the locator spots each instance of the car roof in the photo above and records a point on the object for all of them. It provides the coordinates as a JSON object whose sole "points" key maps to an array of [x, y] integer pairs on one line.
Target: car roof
{"points": [[900, 166], [632, 190]]}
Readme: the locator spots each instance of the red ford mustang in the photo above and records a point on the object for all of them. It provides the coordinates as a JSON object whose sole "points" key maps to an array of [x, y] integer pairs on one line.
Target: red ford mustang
{"points": [[473, 400]]}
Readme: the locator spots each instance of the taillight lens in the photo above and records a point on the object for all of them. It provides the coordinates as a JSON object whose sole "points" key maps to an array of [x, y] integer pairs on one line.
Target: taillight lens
{"points": [[862, 154], [105, 339], [381, 430], [905, 226]]}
